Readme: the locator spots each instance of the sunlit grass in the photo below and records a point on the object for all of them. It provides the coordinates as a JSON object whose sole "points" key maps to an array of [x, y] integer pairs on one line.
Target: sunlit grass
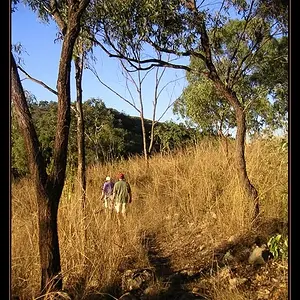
{"points": [[193, 191]]}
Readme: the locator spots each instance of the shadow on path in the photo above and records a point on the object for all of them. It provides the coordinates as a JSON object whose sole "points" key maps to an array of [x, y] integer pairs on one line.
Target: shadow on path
{"points": [[171, 283], [174, 281]]}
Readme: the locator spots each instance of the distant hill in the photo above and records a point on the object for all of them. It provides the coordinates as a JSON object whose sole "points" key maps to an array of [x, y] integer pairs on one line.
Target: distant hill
{"points": [[133, 125]]}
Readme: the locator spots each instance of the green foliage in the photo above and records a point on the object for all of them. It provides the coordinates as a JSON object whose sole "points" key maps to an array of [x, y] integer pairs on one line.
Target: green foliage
{"points": [[18, 50], [18, 154], [272, 75], [127, 21], [44, 115], [172, 25], [278, 245], [171, 136], [104, 140], [42, 8], [201, 103], [275, 11], [18, 157], [133, 132], [262, 89], [109, 134]]}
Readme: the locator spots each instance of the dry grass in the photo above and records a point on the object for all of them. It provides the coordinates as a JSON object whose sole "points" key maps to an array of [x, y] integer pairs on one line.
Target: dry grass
{"points": [[191, 197]]}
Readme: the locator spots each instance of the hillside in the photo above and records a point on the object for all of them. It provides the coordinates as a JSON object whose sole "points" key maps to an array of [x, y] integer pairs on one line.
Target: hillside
{"points": [[187, 235], [109, 135]]}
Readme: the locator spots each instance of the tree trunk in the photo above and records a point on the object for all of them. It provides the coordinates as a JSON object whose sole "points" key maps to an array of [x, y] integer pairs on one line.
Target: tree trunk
{"points": [[241, 162], [240, 146], [51, 279], [240, 119], [81, 168], [150, 148], [47, 207], [144, 137], [49, 187], [80, 132]]}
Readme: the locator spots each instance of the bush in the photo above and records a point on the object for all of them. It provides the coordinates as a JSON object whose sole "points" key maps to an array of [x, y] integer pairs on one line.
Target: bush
{"points": [[278, 245]]}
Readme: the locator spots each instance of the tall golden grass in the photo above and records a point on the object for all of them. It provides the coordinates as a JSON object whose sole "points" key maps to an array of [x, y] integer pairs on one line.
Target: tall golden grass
{"points": [[179, 195]]}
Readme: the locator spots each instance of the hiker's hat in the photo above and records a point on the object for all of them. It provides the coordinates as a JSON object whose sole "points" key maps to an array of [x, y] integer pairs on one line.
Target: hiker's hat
{"points": [[121, 176], [107, 178]]}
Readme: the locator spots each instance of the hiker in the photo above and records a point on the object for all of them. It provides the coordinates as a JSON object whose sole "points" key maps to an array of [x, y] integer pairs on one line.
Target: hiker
{"points": [[107, 194], [121, 195]]}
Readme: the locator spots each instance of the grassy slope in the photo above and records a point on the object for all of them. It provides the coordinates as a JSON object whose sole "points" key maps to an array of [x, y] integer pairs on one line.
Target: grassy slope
{"points": [[189, 203]]}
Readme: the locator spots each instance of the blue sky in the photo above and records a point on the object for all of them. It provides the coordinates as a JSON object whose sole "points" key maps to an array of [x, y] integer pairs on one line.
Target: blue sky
{"points": [[41, 61]]}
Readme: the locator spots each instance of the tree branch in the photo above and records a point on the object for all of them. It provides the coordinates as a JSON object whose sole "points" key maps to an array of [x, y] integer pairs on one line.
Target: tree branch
{"points": [[178, 53], [167, 108], [128, 77], [153, 62], [249, 54], [213, 74], [247, 19], [37, 81], [57, 16], [112, 90]]}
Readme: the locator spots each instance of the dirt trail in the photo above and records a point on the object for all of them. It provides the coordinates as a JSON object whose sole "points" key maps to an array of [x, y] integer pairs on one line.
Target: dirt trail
{"points": [[164, 272]]}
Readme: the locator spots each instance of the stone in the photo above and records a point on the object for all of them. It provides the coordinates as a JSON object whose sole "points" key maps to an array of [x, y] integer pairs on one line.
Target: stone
{"points": [[256, 257]]}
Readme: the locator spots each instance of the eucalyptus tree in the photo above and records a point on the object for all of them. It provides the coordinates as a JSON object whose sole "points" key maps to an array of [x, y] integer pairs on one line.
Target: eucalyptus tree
{"points": [[49, 185], [196, 29], [211, 112]]}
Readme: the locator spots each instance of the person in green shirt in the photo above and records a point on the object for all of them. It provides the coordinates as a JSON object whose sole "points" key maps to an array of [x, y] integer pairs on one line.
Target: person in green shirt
{"points": [[121, 194]]}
